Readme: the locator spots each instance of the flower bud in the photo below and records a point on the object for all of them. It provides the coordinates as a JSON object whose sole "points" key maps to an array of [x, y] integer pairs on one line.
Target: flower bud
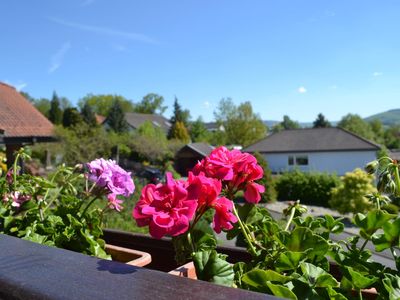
{"points": [[371, 167]]}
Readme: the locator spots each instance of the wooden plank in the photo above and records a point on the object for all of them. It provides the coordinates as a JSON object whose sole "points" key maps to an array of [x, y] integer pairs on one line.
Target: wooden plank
{"points": [[33, 271]]}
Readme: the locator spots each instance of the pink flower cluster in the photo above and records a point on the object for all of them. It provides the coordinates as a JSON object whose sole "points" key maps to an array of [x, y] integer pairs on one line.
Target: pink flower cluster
{"points": [[237, 170], [169, 208], [16, 198], [115, 180]]}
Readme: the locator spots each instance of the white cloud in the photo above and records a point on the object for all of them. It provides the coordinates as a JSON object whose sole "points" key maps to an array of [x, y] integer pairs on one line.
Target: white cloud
{"points": [[302, 90], [377, 74], [58, 57], [105, 31], [87, 2], [19, 85], [207, 104]]}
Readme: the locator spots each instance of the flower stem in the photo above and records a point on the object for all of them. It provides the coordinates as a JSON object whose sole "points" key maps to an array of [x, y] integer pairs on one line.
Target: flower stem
{"points": [[89, 204], [292, 212], [363, 246], [243, 229], [15, 171], [397, 179]]}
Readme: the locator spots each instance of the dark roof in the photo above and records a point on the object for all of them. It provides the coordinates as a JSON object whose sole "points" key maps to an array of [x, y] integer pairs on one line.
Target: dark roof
{"points": [[202, 148], [19, 118], [312, 140], [136, 119], [395, 154]]}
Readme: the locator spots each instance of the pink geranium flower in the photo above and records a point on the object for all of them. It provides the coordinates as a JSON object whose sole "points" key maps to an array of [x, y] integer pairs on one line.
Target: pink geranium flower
{"points": [[223, 218], [114, 202], [203, 189], [165, 208], [107, 174]]}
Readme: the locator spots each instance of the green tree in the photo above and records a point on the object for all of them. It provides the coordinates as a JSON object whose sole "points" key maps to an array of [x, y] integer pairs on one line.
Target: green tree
{"points": [[71, 117], [198, 131], [88, 115], [55, 112], [179, 115], [180, 132], [378, 131], [288, 123], [321, 122], [354, 123], [151, 104], [242, 126], [101, 104], [392, 137], [116, 118]]}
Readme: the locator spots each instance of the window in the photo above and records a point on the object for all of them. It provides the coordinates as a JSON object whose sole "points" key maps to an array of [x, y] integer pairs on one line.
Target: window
{"points": [[300, 160]]}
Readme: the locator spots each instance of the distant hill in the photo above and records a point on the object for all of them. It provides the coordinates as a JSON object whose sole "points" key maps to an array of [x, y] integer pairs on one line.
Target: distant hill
{"points": [[390, 117]]}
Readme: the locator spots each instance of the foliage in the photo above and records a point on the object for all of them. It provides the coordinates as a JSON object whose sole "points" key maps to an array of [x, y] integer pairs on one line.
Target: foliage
{"points": [[355, 124], [179, 131], [116, 118], [349, 196], [82, 143], [392, 137], [290, 257], [180, 115], [101, 104], [71, 117], [198, 131], [242, 126], [151, 104], [88, 115], [321, 122], [267, 181], [57, 211], [310, 188], [387, 118], [55, 112]]}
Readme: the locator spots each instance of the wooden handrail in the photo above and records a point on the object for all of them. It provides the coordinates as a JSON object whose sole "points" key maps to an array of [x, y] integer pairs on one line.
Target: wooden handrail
{"points": [[33, 271]]}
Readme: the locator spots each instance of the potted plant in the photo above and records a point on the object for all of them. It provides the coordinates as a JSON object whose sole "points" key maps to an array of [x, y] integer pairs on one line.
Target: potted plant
{"points": [[66, 210], [291, 258]]}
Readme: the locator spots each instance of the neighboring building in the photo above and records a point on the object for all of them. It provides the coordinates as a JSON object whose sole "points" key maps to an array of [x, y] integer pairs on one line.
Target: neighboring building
{"points": [[135, 120], [188, 156], [214, 126], [333, 150], [395, 154], [21, 122]]}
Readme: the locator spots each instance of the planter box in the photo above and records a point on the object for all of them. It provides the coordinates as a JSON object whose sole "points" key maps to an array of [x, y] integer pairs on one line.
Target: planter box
{"points": [[187, 270], [128, 256]]}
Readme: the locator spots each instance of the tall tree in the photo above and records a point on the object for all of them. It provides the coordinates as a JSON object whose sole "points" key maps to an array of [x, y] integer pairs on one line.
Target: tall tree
{"points": [[321, 122], [55, 112], [354, 123], [71, 117], [288, 123], [101, 104], [179, 115], [88, 115], [180, 132], [116, 118], [198, 131], [151, 104], [242, 126]]}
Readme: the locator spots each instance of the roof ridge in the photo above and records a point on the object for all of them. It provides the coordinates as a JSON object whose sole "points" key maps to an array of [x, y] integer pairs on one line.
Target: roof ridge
{"points": [[360, 137], [8, 85]]}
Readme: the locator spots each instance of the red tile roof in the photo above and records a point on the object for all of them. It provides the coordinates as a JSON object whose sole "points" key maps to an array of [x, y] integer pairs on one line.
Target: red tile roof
{"points": [[19, 118]]}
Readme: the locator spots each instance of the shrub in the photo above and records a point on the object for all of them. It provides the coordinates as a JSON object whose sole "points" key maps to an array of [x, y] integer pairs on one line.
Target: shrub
{"points": [[309, 188], [349, 196]]}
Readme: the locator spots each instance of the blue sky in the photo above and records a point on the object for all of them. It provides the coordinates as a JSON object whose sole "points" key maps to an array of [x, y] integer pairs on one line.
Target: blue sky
{"points": [[297, 57]]}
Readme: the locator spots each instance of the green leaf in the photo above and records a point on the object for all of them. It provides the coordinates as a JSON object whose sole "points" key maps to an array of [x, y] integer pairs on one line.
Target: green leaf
{"points": [[333, 295], [289, 260], [316, 276], [390, 236], [333, 225], [281, 291], [212, 267], [258, 278], [371, 222], [392, 285], [302, 239], [360, 281]]}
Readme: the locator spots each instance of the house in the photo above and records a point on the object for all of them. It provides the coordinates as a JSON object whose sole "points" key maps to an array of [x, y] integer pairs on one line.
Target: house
{"points": [[188, 156], [20, 122], [214, 126], [135, 120], [333, 150]]}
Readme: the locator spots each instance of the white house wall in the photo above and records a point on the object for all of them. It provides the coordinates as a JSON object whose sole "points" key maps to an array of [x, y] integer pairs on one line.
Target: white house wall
{"points": [[332, 162]]}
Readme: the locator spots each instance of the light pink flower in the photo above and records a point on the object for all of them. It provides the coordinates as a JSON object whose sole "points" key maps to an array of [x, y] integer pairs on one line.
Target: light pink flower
{"points": [[114, 202], [107, 174], [18, 198], [223, 218], [165, 208]]}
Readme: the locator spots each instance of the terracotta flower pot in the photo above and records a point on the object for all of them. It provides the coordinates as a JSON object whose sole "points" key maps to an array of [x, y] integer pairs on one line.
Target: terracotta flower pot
{"points": [[128, 256], [187, 270]]}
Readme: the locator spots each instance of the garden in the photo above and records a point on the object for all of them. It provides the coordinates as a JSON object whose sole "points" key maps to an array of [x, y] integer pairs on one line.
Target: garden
{"points": [[293, 256]]}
